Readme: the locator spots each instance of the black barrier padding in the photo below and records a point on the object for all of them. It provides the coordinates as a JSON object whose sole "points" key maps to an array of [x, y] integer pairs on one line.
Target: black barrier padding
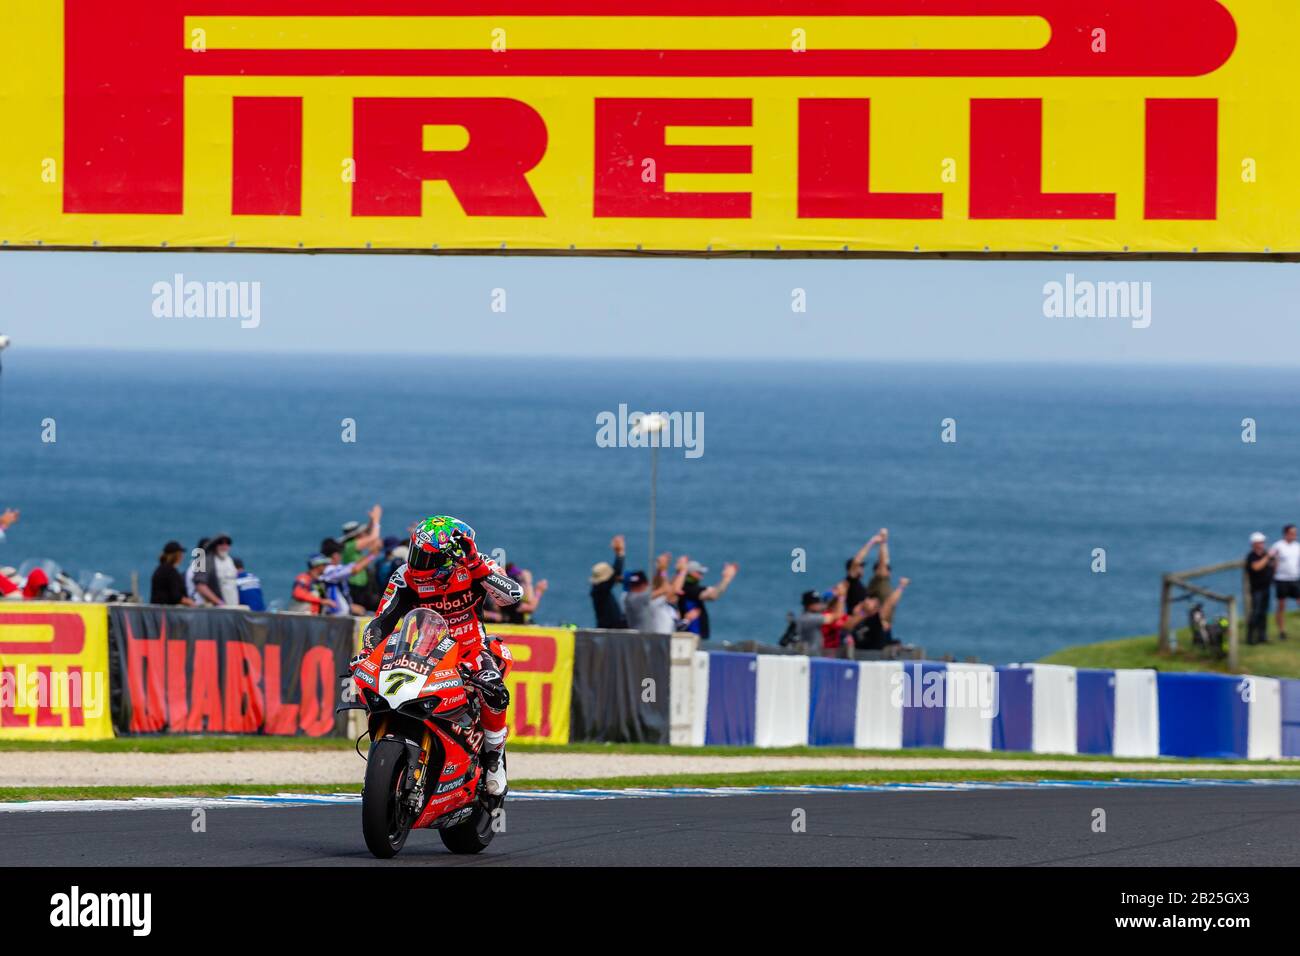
{"points": [[190, 671], [610, 670]]}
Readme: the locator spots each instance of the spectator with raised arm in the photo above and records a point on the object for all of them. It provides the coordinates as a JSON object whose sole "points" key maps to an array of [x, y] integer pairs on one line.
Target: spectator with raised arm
{"points": [[357, 539], [604, 577], [695, 596], [857, 591], [881, 584], [335, 577], [652, 605], [820, 627], [872, 622]]}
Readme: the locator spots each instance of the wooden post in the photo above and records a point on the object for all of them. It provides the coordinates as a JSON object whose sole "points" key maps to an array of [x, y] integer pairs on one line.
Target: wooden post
{"points": [[1232, 634], [1165, 588], [1182, 579]]}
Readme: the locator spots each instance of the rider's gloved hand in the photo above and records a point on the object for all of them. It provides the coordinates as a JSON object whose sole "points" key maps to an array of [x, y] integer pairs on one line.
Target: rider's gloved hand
{"points": [[467, 548], [492, 689]]}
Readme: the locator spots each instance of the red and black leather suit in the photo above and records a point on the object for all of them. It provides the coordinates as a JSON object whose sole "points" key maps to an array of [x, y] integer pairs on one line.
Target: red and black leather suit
{"points": [[458, 597]]}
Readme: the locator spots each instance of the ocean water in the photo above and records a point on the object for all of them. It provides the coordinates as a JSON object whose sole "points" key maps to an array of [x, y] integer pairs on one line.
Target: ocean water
{"points": [[996, 531]]}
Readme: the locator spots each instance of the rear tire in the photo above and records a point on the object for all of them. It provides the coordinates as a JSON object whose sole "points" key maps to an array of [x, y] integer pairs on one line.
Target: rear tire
{"points": [[472, 836], [385, 823]]}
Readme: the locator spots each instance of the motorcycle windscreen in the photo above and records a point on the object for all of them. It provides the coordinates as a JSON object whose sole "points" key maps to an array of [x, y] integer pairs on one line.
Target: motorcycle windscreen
{"points": [[422, 636]]}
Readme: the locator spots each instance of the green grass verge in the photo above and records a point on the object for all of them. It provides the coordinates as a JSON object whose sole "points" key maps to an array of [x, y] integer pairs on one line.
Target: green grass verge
{"points": [[777, 778], [1278, 658]]}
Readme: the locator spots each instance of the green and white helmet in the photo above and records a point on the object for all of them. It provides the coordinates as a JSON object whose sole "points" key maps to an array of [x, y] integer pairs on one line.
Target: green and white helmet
{"points": [[436, 545]]}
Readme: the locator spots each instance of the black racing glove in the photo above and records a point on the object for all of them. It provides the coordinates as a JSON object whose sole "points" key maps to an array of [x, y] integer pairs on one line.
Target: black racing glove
{"points": [[491, 688], [371, 637], [469, 551]]}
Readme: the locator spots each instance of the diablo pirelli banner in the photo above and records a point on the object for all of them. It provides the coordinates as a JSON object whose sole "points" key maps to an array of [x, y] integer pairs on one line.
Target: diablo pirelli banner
{"points": [[54, 680], [1032, 126], [204, 671], [540, 681]]}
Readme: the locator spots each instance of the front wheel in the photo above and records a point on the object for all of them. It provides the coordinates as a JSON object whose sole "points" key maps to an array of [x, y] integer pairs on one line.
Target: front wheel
{"points": [[385, 821]]}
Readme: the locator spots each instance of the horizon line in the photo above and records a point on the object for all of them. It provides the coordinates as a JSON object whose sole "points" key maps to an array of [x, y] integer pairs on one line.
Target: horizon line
{"points": [[658, 359]]}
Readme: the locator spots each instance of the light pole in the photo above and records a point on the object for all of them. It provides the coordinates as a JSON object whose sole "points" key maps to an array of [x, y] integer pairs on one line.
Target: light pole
{"points": [[651, 425]]}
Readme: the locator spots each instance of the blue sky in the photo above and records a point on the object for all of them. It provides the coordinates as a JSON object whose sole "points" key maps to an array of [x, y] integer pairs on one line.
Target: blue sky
{"points": [[1202, 312]]}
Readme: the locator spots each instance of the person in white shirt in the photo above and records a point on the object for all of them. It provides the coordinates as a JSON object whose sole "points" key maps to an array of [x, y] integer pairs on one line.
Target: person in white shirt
{"points": [[1286, 574], [223, 576], [653, 610]]}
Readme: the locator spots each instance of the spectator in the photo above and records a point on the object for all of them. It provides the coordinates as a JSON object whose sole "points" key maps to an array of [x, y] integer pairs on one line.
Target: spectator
{"points": [[199, 579], [881, 584], [250, 588], [336, 576], [167, 586], [872, 623], [522, 611], [223, 576], [653, 610], [358, 539], [809, 624], [603, 578], [7, 517], [308, 589], [37, 583], [1286, 574], [835, 622], [1259, 572], [394, 556], [853, 567], [691, 603]]}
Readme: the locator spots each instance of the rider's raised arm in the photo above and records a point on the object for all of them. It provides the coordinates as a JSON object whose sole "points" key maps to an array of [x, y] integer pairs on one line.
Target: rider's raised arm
{"points": [[503, 589]]}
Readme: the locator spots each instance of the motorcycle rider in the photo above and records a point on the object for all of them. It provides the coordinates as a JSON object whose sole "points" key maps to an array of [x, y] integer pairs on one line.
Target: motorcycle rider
{"points": [[445, 572]]}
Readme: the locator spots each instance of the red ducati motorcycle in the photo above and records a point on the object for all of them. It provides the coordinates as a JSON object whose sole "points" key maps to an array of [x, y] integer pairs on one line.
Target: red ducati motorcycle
{"points": [[425, 767]]}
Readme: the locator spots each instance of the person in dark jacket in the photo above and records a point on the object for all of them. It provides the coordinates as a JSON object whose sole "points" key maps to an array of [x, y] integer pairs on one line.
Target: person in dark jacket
{"points": [[604, 578], [168, 585]]}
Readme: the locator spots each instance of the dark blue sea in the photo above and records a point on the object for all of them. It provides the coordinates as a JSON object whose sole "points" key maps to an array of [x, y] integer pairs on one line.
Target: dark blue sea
{"points": [[996, 531]]}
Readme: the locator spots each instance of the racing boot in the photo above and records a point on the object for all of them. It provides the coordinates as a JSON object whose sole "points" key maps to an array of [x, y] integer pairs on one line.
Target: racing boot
{"points": [[494, 761]]}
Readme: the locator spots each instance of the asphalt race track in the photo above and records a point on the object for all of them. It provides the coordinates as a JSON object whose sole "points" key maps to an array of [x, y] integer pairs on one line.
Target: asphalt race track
{"points": [[1155, 826]]}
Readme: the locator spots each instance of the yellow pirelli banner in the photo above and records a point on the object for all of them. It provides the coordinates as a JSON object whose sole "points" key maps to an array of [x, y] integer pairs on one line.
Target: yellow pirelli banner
{"points": [[777, 126], [540, 681], [54, 682]]}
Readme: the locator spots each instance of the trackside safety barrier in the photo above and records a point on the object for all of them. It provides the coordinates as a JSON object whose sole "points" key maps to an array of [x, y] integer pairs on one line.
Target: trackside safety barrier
{"points": [[72, 671], [780, 701]]}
